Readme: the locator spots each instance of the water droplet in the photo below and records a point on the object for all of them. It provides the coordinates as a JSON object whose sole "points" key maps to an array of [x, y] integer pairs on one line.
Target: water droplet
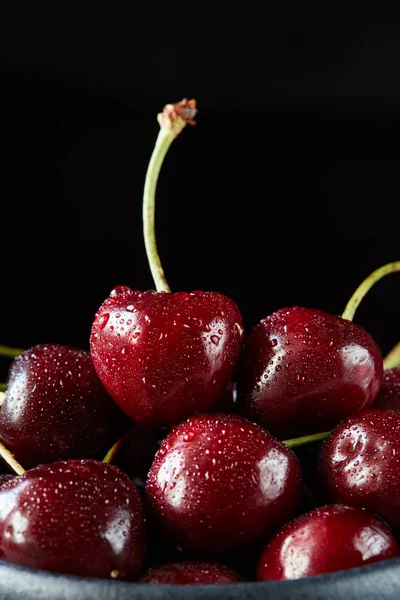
{"points": [[215, 339], [104, 320]]}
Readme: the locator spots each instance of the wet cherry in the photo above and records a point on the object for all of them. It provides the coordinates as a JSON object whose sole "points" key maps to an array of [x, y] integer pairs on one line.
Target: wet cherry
{"points": [[304, 370], [163, 357], [218, 482], [56, 407], [329, 538], [360, 463], [80, 517], [191, 573]]}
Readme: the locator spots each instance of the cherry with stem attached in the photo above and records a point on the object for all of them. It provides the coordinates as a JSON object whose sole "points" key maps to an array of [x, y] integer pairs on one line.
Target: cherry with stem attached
{"points": [[164, 356], [304, 370]]}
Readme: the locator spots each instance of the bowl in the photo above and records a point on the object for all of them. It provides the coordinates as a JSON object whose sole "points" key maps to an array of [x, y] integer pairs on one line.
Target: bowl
{"points": [[378, 581]]}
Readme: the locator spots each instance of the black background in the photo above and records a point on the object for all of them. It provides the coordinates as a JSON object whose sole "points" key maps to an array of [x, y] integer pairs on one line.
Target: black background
{"points": [[286, 191]]}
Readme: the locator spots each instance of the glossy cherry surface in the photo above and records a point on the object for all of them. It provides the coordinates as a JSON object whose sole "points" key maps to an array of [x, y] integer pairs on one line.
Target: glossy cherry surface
{"points": [[220, 481], [304, 370], [329, 538], [81, 517], [163, 356], [360, 463], [56, 407], [389, 394], [191, 573]]}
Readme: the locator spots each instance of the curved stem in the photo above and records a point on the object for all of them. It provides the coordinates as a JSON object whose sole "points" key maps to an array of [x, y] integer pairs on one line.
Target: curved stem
{"points": [[10, 352], [392, 358], [116, 447], [3, 387], [365, 286], [306, 439], [172, 120], [10, 460]]}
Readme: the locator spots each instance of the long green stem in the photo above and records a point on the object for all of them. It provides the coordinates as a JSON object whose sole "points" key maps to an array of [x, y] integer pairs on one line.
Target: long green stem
{"points": [[392, 358], [172, 120], [306, 439], [365, 286], [10, 352]]}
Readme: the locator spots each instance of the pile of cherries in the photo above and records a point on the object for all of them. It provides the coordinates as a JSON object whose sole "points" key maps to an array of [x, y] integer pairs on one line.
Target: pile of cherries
{"points": [[179, 450]]}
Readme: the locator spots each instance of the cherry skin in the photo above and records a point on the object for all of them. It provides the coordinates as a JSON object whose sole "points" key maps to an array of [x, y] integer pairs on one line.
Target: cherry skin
{"points": [[359, 463], [191, 573], [304, 370], [389, 394], [5, 477], [219, 481], [56, 407], [163, 356], [329, 538], [81, 517]]}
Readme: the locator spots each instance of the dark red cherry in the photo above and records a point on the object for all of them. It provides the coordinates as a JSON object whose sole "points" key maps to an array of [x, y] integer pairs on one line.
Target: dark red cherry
{"points": [[81, 517], [389, 394], [191, 573], [329, 538], [218, 482], [163, 356], [360, 463], [304, 370], [56, 407]]}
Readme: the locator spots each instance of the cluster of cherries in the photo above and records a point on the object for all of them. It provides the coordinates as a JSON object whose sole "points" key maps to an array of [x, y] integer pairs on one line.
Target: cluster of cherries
{"points": [[179, 450]]}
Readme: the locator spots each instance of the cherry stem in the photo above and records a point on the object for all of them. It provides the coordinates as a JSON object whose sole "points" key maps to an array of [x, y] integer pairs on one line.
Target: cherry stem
{"points": [[392, 358], [10, 352], [172, 120], [365, 286], [10, 460], [117, 446], [306, 439]]}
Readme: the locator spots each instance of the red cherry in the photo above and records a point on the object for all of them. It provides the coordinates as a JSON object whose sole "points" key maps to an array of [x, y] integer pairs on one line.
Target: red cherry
{"points": [[56, 407], [218, 482], [329, 538], [304, 370], [360, 463], [389, 394], [81, 517], [191, 573], [162, 356]]}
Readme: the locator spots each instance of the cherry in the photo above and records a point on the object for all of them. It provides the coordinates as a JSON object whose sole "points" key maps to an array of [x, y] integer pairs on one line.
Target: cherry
{"points": [[164, 356], [360, 463], [389, 393], [56, 407], [219, 481], [191, 573], [304, 370], [329, 538], [80, 517]]}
